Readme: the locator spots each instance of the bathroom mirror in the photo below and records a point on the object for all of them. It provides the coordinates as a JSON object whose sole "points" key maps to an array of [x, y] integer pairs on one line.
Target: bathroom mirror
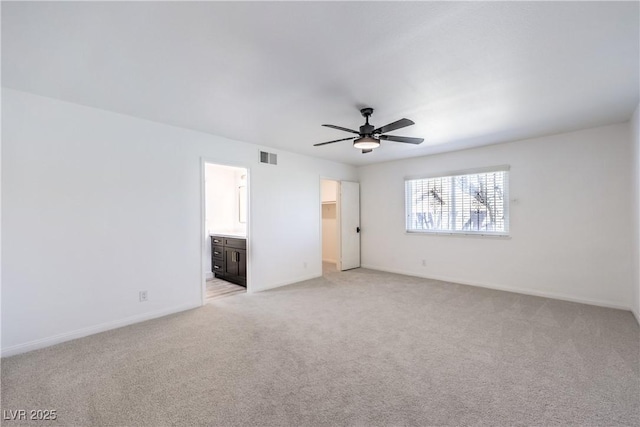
{"points": [[242, 204]]}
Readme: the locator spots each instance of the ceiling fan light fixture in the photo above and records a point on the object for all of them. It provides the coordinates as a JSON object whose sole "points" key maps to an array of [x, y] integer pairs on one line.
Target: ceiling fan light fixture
{"points": [[366, 143], [369, 136]]}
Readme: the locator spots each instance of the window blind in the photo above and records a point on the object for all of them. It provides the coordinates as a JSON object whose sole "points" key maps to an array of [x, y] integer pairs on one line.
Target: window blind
{"points": [[474, 203]]}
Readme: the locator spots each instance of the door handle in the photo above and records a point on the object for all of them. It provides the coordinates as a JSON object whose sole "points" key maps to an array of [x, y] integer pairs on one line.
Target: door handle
{"points": [[357, 229]]}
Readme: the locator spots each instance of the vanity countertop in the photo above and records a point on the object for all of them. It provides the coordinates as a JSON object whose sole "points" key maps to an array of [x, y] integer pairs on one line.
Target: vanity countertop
{"points": [[234, 236]]}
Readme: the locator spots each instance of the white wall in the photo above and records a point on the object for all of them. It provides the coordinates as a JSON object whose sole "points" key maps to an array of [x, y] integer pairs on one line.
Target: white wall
{"points": [[97, 206], [569, 228], [634, 124]]}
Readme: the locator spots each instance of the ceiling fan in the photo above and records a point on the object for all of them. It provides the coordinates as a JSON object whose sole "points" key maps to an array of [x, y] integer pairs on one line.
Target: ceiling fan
{"points": [[369, 137]]}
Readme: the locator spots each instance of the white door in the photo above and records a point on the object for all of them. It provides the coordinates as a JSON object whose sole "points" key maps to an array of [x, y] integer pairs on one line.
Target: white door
{"points": [[349, 225]]}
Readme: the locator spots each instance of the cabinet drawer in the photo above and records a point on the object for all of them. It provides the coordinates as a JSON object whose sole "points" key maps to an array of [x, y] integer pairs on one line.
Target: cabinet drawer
{"points": [[217, 252], [235, 243], [215, 240], [218, 266]]}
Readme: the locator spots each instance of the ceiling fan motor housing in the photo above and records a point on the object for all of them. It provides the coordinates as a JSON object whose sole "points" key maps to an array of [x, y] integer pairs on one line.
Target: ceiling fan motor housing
{"points": [[366, 129]]}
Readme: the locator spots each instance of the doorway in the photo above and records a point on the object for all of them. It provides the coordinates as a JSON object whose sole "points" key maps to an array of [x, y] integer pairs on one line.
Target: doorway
{"points": [[330, 226], [225, 231], [340, 225]]}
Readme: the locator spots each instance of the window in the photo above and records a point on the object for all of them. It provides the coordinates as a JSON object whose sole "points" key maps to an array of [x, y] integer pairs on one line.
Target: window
{"points": [[473, 203]]}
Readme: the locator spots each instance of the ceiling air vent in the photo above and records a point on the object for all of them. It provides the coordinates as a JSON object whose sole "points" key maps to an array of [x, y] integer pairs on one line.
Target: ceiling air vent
{"points": [[270, 158]]}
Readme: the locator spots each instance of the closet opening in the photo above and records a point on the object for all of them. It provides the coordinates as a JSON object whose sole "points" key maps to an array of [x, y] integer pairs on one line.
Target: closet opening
{"points": [[330, 226]]}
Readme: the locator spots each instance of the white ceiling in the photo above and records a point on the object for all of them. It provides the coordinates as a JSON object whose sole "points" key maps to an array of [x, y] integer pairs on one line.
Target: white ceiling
{"points": [[468, 74]]}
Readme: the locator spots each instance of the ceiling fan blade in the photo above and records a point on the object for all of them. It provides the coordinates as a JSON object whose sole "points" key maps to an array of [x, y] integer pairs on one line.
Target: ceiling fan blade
{"points": [[341, 128], [367, 151], [402, 123], [406, 139], [331, 142]]}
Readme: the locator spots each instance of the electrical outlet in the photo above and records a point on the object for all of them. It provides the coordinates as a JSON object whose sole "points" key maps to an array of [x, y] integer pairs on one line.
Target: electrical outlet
{"points": [[424, 262], [143, 296]]}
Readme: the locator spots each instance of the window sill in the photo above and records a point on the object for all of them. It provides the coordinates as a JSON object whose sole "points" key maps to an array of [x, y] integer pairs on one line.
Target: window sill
{"points": [[459, 234]]}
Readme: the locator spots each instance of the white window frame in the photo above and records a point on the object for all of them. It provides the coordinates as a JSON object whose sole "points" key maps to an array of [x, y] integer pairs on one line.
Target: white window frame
{"points": [[479, 233]]}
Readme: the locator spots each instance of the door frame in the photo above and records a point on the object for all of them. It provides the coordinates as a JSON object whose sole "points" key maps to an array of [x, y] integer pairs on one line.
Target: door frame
{"points": [[203, 220]]}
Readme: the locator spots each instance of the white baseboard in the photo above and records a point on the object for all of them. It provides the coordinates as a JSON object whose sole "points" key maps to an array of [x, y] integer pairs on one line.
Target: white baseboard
{"points": [[288, 282], [208, 275], [524, 291], [79, 333], [637, 316]]}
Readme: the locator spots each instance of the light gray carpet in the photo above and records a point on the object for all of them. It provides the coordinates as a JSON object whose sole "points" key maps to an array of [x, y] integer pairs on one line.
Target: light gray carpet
{"points": [[358, 348]]}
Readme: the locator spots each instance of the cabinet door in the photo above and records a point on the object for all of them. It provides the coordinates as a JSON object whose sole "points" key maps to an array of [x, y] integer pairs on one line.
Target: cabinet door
{"points": [[235, 262], [231, 264], [242, 263]]}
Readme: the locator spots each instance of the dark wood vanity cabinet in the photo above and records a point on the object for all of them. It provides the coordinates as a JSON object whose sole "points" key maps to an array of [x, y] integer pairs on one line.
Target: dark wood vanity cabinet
{"points": [[229, 259]]}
